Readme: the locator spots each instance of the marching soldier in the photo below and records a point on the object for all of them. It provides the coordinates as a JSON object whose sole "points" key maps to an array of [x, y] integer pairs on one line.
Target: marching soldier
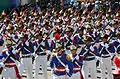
{"points": [[11, 35], [1, 48], [68, 39], [59, 62], [26, 49], [42, 47], [79, 37], [9, 58], [105, 51], [77, 63], [89, 64], [1, 43], [117, 43]]}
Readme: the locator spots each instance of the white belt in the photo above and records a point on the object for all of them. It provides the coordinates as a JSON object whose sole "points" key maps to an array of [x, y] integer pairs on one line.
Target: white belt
{"points": [[10, 64], [61, 70], [26, 55], [90, 57], [106, 55], [76, 68]]}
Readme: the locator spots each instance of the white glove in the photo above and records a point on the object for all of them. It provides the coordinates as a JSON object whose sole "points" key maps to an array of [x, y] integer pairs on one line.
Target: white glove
{"points": [[2, 64], [27, 43], [91, 48], [98, 58], [14, 51], [112, 54], [32, 54], [77, 57], [48, 52], [106, 45]]}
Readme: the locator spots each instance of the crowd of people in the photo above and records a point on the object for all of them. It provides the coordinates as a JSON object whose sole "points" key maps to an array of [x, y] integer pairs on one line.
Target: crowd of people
{"points": [[74, 38]]}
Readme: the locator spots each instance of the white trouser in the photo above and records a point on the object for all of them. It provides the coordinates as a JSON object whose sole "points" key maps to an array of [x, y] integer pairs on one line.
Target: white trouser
{"points": [[89, 67], [9, 73], [41, 60], [59, 77], [26, 63], [106, 66], [76, 76]]}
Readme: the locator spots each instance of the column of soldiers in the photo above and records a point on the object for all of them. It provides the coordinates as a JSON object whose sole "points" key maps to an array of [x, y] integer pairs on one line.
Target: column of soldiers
{"points": [[72, 39]]}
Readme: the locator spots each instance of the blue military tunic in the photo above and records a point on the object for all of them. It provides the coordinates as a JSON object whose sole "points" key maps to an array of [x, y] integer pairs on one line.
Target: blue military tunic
{"points": [[88, 53], [57, 66], [44, 45], [26, 50], [105, 49], [77, 63], [117, 45], [78, 39], [5, 53]]}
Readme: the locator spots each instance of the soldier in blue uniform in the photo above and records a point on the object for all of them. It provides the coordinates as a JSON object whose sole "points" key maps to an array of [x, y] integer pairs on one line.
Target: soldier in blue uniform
{"points": [[77, 63], [105, 50], [68, 39], [1, 43], [42, 49], [117, 43], [89, 63], [61, 64], [26, 49], [79, 37], [9, 57]]}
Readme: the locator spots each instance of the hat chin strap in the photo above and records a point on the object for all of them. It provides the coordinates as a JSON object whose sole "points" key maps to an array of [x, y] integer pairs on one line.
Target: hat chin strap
{"points": [[59, 49]]}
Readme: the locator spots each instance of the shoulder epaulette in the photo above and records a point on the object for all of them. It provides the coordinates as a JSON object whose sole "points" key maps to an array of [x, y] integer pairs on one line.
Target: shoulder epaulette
{"points": [[53, 55], [68, 57]]}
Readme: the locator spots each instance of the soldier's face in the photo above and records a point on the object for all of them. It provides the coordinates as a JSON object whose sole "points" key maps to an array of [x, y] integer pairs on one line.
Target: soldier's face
{"points": [[69, 33], [9, 46], [39, 37], [81, 33], [10, 31], [59, 51], [118, 36], [73, 52], [87, 43], [115, 26], [104, 40], [23, 39]]}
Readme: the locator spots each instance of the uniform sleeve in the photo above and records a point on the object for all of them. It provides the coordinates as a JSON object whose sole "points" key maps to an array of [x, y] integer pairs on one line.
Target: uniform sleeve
{"points": [[1, 56], [70, 65], [96, 51], [51, 61], [76, 39], [47, 45], [18, 55], [111, 48], [34, 43], [32, 47], [99, 50], [52, 46]]}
